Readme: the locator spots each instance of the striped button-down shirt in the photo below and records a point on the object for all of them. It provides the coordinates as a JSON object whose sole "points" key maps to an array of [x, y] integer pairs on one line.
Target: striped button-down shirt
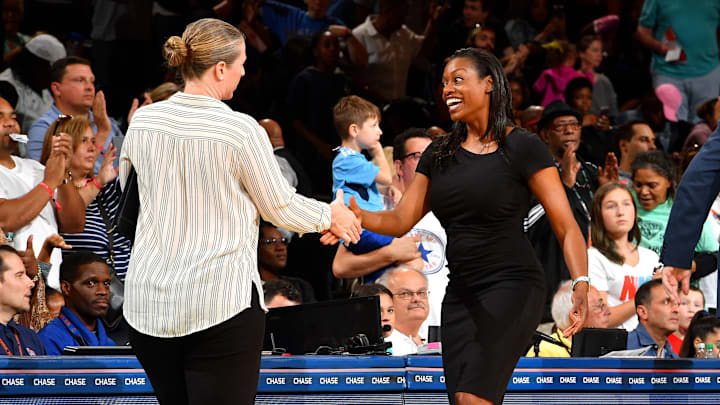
{"points": [[205, 174]]}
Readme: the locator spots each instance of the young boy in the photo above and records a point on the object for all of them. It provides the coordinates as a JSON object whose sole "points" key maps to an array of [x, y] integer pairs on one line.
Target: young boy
{"points": [[357, 121]]}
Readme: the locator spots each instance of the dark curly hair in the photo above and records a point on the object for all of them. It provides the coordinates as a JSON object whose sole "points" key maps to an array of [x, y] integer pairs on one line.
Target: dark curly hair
{"points": [[500, 114]]}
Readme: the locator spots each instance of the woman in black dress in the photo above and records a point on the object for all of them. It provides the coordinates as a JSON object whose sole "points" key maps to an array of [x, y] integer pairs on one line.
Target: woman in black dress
{"points": [[478, 181]]}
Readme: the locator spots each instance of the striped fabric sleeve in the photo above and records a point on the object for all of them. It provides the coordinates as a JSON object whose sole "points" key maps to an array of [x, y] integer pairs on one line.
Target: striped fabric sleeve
{"points": [[274, 198]]}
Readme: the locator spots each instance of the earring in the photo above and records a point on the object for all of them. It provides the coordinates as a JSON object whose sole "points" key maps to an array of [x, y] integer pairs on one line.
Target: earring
{"points": [[222, 78]]}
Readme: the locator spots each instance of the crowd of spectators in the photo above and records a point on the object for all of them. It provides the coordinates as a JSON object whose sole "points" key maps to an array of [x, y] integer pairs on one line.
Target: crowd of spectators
{"points": [[623, 93]]}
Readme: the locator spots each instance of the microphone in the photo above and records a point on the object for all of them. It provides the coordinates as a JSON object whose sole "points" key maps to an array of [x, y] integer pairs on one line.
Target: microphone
{"points": [[386, 328]]}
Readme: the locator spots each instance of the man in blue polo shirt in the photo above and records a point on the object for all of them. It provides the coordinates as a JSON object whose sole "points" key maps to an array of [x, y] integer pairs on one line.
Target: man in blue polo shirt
{"points": [[658, 315], [15, 292], [85, 285], [72, 84]]}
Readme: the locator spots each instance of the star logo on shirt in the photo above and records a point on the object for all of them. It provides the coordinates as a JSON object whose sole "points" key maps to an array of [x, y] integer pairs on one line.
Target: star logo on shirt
{"points": [[424, 252]]}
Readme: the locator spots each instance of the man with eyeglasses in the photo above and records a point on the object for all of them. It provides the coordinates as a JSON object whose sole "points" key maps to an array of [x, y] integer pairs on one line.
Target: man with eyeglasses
{"points": [[426, 241], [598, 317], [272, 260], [72, 84], [560, 128], [410, 299]]}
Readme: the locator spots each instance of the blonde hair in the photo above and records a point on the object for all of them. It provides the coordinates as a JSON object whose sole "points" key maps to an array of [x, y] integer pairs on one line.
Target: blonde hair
{"points": [[204, 43], [75, 127], [164, 91]]}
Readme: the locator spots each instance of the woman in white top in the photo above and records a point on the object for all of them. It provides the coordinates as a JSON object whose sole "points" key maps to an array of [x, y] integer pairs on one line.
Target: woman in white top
{"points": [[205, 176], [617, 264]]}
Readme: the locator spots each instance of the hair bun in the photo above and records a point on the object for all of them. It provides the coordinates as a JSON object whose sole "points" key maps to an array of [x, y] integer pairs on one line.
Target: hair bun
{"points": [[175, 51]]}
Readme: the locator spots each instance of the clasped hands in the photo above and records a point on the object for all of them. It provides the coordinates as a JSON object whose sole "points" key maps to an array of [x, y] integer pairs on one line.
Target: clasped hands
{"points": [[345, 224]]}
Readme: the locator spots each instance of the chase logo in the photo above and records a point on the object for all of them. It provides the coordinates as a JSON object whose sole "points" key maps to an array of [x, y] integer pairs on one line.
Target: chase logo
{"points": [[432, 250]]}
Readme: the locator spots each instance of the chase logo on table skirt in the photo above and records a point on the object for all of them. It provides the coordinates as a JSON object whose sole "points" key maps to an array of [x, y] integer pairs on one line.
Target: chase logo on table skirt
{"points": [[289, 381], [431, 249]]}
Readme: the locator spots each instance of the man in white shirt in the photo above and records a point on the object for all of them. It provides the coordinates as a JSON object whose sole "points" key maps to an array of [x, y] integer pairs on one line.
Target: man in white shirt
{"points": [[410, 299], [391, 48], [33, 198]]}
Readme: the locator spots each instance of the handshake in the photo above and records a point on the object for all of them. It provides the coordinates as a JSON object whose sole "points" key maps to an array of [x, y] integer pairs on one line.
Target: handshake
{"points": [[345, 221]]}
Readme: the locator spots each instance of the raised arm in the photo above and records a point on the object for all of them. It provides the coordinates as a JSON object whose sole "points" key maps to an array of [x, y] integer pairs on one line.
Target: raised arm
{"points": [[411, 208], [546, 186]]}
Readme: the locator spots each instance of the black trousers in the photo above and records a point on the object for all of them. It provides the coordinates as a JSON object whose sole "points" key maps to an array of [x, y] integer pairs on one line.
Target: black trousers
{"points": [[219, 365]]}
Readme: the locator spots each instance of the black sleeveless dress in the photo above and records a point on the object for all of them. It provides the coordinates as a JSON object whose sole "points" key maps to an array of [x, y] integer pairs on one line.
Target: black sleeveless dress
{"points": [[494, 300]]}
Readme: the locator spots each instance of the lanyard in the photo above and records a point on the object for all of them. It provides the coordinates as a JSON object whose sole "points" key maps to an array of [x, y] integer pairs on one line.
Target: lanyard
{"points": [[73, 331], [17, 339], [586, 211]]}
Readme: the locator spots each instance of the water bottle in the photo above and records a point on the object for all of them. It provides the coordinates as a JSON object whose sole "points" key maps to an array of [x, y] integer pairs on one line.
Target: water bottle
{"points": [[700, 351], [709, 352]]}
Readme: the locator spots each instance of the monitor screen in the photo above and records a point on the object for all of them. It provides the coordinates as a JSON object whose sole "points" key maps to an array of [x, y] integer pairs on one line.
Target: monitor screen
{"points": [[305, 328], [594, 342]]}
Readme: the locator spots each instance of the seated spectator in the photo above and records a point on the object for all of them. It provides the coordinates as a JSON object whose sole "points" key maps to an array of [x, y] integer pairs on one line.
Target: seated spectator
{"points": [[709, 113], [164, 91], [690, 304], [100, 194], [73, 87], [34, 199], [311, 96], [598, 317], [272, 260], [538, 24], [633, 137], [482, 37], [551, 84], [409, 289], [617, 265], [391, 48], [530, 117], [13, 12], [287, 22], [85, 284], [55, 301], [703, 329], [38, 268], [658, 317], [28, 75], [520, 98], [290, 166], [15, 292], [281, 293], [597, 138], [453, 32], [654, 186], [590, 52], [387, 307]]}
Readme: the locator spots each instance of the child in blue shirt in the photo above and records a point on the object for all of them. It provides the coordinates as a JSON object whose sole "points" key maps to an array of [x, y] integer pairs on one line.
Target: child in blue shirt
{"points": [[357, 121]]}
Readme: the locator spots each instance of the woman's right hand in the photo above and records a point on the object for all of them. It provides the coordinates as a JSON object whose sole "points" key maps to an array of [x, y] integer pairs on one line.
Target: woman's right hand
{"points": [[107, 172], [344, 223]]}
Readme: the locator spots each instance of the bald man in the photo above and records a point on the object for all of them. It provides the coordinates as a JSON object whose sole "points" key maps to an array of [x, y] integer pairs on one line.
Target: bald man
{"points": [[290, 167]]}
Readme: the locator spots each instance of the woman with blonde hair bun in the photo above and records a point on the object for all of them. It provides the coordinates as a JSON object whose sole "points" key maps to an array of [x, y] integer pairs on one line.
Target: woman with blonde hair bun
{"points": [[205, 175]]}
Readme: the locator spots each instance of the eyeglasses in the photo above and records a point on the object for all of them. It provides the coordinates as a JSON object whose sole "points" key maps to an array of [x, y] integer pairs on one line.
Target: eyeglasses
{"points": [[407, 294], [563, 126], [413, 156], [274, 241], [60, 119]]}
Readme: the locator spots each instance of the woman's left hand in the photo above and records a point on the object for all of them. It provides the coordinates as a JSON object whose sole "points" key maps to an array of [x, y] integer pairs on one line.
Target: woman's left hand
{"points": [[579, 310], [107, 172]]}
